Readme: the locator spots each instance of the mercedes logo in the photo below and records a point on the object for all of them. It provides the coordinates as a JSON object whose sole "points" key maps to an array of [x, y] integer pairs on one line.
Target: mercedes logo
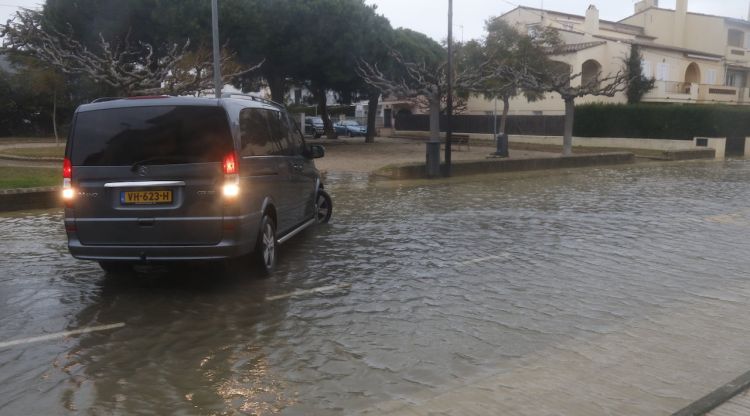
{"points": [[142, 171]]}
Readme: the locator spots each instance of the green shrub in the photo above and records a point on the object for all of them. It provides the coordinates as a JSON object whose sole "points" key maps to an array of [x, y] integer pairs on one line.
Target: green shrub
{"points": [[661, 121]]}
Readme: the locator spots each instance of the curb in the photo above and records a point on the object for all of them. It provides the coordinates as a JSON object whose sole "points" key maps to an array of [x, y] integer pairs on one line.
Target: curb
{"points": [[465, 168], [30, 159], [717, 397], [29, 198]]}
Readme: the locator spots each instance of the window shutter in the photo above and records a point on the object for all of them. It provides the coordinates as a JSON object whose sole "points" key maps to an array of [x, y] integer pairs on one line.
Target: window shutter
{"points": [[646, 69], [662, 72], [711, 77]]}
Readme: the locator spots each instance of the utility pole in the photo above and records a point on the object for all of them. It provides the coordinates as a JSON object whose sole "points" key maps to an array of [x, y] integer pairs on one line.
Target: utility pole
{"points": [[449, 127], [217, 63]]}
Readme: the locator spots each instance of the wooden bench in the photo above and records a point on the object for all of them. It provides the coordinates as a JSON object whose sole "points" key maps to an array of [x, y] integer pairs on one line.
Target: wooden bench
{"points": [[460, 139]]}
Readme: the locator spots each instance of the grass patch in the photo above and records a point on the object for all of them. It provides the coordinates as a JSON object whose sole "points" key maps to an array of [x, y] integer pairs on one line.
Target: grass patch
{"points": [[47, 151], [23, 177]]}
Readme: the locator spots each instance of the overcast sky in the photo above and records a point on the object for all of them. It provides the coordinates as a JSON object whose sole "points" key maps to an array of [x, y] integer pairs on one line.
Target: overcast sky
{"points": [[431, 16]]}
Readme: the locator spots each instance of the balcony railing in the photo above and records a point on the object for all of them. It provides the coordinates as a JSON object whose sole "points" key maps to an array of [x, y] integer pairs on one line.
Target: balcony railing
{"points": [[671, 91]]}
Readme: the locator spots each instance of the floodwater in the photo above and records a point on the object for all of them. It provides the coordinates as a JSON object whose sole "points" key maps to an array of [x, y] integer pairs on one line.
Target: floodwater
{"points": [[604, 290]]}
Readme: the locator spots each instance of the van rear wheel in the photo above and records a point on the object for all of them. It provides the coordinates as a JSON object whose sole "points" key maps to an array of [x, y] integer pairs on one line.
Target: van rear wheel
{"points": [[265, 249]]}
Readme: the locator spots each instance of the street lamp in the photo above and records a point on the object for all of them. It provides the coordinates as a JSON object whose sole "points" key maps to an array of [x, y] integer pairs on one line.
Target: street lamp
{"points": [[449, 118], [217, 63]]}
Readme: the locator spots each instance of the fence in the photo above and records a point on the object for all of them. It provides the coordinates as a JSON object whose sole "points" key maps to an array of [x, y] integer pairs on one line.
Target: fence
{"points": [[521, 125]]}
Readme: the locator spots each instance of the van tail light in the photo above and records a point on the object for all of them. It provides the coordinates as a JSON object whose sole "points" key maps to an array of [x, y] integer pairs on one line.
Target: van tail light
{"points": [[229, 164], [67, 189], [67, 169], [231, 187]]}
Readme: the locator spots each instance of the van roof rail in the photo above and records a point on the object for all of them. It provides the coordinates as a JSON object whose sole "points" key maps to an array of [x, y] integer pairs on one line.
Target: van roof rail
{"points": [[251, 97], [103, 99]]}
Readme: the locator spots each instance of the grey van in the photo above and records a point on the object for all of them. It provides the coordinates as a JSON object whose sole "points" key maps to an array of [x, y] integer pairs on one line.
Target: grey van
{"points": [[162, 179]]}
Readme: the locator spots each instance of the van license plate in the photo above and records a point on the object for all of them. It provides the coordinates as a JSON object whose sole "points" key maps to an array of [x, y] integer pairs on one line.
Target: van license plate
{"points": [[146, 197]]}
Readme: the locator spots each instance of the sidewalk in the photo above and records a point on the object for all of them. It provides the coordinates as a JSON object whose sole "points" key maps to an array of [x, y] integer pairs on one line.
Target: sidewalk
{"points": [[353, 155]]}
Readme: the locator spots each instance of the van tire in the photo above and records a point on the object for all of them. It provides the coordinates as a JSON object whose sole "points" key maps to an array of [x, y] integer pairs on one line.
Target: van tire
{"points": [[323, 207], [116, 267], [266, 248]]}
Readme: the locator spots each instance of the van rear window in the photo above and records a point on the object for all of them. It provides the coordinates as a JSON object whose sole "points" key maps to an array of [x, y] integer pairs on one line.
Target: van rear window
{"points": [[155, 135]]}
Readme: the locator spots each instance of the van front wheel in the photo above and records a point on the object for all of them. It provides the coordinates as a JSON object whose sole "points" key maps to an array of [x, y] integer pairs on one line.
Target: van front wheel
{"points": [[323, 207]]}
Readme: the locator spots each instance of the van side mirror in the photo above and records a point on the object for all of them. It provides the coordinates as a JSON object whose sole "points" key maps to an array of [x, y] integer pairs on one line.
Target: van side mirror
{"points": [[316, 151]]}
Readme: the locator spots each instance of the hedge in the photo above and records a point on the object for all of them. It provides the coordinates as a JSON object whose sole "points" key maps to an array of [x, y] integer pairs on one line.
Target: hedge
{"points": [[661, 121]]}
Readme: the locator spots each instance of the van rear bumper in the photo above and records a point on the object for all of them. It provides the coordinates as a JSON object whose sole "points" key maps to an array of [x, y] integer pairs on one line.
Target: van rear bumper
{"points": [[224, 250]]}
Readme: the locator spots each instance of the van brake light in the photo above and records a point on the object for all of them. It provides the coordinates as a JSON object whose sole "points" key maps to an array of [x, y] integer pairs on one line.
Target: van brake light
{"points": [[67, 169], [67, 190], [229, 164]]}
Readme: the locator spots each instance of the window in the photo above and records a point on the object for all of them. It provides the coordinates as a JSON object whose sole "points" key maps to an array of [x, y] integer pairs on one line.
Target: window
{"points": [[294, 136], [736, 38], [711, 77], [158, 135], [736, 79], [662, 72], [646, 69], [256, 134]]}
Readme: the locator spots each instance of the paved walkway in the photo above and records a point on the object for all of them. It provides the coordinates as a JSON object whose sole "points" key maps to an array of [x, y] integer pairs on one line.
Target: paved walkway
{"points": [[353, 155]]}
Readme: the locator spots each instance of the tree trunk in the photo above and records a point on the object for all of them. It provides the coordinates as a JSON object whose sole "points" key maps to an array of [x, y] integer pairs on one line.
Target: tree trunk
{"points": [[570, 109], [276, 85], [320, 97], [434, 118], [372, 112], [54, 115], [504, 117]]}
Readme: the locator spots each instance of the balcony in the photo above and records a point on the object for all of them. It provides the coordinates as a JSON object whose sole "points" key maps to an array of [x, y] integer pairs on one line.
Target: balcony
{"points": [[681, 92], [737, 54]]}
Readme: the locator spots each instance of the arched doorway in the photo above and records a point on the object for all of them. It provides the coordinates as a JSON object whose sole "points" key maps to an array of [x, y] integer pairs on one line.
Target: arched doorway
{"points": [[693, 74], [590, 72]]}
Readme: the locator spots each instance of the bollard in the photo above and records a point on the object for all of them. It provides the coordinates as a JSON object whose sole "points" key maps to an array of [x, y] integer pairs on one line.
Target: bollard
{"points": [[433, 159], [502, 145]]}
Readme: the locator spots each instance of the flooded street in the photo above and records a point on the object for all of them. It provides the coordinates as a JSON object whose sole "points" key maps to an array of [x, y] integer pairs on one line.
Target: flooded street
{"points": [[590, 291]]}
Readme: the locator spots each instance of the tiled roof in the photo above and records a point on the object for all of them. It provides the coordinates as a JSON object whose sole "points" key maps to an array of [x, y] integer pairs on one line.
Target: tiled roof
{"points": [[574, 47]]}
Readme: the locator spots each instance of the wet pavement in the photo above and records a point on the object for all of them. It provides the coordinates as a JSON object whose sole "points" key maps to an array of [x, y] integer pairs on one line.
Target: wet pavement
{"points": [[617, 290]]}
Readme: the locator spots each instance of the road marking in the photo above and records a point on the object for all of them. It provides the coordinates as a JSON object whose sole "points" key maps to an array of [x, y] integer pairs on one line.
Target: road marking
{"points": [[61, 335], [308, 291], [482, 259]]}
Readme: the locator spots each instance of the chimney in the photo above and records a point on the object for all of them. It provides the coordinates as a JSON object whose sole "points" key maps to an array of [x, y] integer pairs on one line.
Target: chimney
{"points": [[680, 18], [645, 4], [591, 24]]}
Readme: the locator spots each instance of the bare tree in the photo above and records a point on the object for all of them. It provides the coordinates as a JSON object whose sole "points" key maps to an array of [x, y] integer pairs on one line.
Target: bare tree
{"points": [[559, 79], [417, 80], [131, 68], [423, 84]]}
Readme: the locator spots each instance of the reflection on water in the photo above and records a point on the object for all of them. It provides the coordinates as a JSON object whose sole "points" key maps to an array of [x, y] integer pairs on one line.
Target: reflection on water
{"points": [[440, 283]]}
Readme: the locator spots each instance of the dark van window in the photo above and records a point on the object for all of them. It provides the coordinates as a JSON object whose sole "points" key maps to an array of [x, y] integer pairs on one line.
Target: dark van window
{"points": [[280, 132], [295, 137], [157, 135], [263, 133], [255, 134]]}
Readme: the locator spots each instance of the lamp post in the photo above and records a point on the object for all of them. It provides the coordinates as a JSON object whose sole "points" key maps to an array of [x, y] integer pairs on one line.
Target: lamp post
{"points": [[217, 63], [449, 118]]}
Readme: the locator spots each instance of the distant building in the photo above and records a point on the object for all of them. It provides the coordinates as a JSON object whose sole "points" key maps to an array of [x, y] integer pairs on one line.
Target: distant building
{"points": [[695, 58]]}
